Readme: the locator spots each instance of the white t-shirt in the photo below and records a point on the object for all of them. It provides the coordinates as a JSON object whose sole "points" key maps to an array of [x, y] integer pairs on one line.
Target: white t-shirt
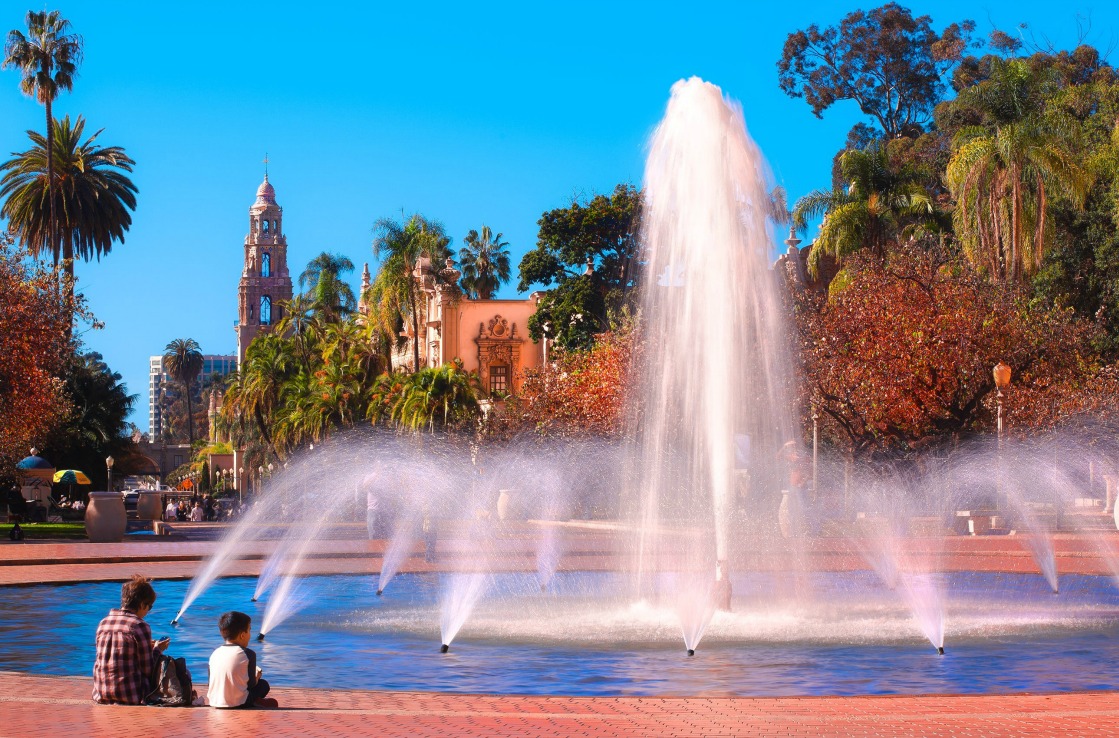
{"points": [[232, 673], [172, 511], [197, 515]]}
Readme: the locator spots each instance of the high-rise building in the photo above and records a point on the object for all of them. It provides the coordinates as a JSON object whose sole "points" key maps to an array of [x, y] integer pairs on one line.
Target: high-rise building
{"points": [[265, 281], [157, 376]]}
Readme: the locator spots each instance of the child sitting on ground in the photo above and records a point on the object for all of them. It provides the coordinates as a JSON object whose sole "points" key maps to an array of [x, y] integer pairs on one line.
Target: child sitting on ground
{"points": [[234, 676]]}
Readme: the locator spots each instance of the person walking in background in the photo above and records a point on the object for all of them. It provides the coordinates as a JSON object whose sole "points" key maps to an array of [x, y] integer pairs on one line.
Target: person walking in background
{"points": [[197, 515]]}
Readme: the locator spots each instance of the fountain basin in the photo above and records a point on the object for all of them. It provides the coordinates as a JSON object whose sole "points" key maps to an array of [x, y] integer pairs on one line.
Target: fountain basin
{"points": [[1005, 633]]}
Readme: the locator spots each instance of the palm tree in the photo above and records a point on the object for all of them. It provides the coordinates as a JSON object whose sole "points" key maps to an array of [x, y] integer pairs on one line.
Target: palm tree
{"points": [[48, 57], [870, 212], [329, 293], [299, 321], [257, 390], [400, 246], [445, 395], [183, 360], [1005, 174], [485, 263], [91, 196]]}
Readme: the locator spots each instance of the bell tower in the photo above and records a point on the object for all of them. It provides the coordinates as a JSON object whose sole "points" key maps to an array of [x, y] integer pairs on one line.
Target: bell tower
{"points": [[265, 281]]}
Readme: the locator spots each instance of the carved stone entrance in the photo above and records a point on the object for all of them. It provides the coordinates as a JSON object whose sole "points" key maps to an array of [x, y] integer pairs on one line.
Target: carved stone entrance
{"points": [[499, 354]]}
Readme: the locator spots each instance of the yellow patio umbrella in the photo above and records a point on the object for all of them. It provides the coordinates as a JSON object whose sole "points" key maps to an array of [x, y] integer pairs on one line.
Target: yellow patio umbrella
{"points": [[70, 476]]}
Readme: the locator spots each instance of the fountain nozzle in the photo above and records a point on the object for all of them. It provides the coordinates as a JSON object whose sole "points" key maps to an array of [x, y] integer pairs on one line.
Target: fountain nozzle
{"points": [[380, 592], [940, 650], [260, 637], [691, 652], [175, 621], [444, 648], [252, 599]]}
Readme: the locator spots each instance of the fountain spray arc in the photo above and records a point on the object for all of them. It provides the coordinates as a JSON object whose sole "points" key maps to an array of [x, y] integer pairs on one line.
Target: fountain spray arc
{"points": [[714, 379]]}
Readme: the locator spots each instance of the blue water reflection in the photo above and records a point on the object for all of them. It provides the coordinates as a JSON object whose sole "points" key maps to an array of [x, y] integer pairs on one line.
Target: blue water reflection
{"points": [[1005, 633]]}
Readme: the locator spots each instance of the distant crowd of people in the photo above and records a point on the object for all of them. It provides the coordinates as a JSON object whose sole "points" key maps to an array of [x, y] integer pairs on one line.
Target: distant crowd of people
{"points": [[196, 509]]}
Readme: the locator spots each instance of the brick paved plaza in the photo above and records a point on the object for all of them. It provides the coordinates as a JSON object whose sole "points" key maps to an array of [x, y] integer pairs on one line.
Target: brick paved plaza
{"points": [[40, 705]]}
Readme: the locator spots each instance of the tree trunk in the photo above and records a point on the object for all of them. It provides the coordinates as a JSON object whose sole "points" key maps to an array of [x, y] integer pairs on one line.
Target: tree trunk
{"points": [[190, 414], [415, 323], [50, 177]]}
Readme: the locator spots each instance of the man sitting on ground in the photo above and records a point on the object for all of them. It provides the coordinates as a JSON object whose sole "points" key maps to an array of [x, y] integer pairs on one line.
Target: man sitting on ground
{"points": [[124, 669]]}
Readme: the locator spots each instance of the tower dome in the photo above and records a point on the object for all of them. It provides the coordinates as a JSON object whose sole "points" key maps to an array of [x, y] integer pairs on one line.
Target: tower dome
{"points": [[266, 193]]}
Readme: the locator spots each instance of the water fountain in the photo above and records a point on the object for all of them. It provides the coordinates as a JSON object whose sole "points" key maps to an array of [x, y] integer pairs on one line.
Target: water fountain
{"points": [[703, 531]]}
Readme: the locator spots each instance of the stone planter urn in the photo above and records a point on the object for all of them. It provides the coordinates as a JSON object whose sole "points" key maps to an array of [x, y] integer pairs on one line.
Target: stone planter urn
{"points": [[105, 519], [505, 504], [790, 515], [149, 505]]}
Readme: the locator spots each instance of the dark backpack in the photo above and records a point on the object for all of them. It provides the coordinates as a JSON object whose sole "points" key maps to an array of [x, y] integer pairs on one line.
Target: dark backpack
{"points": [[173, 684]]}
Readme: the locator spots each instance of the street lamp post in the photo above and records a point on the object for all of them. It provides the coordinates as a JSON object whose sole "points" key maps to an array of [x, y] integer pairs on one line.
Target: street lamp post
{"points": [[259, 480], [240, 484], [815, 453], [109, 472], [1002, 374]]}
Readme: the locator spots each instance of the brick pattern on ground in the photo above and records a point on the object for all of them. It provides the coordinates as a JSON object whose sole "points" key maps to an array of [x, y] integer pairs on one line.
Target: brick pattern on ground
{"points": [[33, 704]]}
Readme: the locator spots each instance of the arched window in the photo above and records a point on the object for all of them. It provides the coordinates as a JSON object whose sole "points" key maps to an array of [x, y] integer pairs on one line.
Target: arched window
{"points": [[275, 226], [266, 264], [264, 226], [265, 310]]}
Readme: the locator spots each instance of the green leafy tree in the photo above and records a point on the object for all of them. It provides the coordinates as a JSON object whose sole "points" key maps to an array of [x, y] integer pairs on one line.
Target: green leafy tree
{"points": [[47, 56], [325, 287], [445, 396], [91, 197], [255, 393], [1004, 174], [485, 263], [400, 246], [870, 211], [884, 60], [97, 425], [588, 254], [183, 360]]}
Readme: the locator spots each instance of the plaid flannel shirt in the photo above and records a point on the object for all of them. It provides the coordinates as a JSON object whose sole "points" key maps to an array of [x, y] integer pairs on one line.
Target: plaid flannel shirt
{"points": [[125, 665]]}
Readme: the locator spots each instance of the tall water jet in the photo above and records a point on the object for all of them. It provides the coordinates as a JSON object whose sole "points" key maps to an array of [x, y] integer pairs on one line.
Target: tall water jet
{"points": [[713, 335]]}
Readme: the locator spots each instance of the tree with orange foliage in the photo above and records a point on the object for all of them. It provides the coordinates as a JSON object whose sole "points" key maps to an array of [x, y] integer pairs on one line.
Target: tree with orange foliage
{"points": [[579, 392], [898, 356], [34, 349]]}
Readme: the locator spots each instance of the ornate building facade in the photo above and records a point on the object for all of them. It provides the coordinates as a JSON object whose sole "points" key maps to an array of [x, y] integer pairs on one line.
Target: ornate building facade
{"points": [[489, 337], [265, 280]]}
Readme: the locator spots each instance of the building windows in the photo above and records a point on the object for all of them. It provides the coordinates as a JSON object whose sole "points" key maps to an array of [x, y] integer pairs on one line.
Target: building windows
{"points": [[499, 380], [264, 226], [266, 264], [265, 310]]}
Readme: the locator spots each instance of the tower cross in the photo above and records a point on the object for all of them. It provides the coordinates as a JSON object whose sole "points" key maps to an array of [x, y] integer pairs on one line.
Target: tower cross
{"points": [[266, 165]]}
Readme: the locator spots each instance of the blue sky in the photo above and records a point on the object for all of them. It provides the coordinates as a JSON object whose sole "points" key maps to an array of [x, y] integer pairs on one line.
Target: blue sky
{"points": [[470, 113]]}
